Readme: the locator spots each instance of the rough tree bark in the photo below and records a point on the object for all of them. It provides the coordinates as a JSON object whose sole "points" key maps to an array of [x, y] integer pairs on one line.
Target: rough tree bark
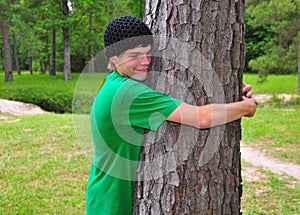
{"points": [[6, 48], [185, 170]]}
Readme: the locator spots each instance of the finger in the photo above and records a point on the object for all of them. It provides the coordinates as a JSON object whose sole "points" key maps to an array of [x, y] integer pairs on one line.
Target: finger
{"points": [[247, 87], [249, 93]]}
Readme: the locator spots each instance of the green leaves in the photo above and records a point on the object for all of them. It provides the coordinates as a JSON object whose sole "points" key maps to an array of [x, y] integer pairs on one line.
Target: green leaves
{"points": [[32, 21], [271, 38], [270, 12]]}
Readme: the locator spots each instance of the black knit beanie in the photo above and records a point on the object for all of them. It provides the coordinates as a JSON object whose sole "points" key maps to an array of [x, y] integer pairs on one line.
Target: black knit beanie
{"points": [[125, 32]]}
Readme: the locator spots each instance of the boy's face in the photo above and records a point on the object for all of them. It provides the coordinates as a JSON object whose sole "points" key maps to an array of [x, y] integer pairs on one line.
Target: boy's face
{"points": [[133, 63]]}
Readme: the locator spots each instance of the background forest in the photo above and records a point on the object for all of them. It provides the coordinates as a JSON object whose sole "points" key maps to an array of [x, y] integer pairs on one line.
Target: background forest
{"points": [[62, 36]]}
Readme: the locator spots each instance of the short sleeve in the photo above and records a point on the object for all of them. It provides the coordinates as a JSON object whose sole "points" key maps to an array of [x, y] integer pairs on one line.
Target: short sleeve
{"points": [[149, 109], [136, 105]]}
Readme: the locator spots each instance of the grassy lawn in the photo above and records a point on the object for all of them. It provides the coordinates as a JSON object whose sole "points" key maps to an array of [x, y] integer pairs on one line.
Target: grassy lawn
{"points": [[275, 84], [38, 82], [267, 193], [275, 131], [44, 170]]}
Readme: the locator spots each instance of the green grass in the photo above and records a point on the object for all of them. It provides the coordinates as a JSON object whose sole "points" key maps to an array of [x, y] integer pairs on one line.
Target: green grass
{"points": [[39, 82], [43, 170], [272, 194], [275, 128], [276, 131], [275, 84]]}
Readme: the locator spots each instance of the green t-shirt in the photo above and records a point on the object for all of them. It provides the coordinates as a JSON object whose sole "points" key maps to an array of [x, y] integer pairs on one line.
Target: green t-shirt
{"points": [[121, 112]]}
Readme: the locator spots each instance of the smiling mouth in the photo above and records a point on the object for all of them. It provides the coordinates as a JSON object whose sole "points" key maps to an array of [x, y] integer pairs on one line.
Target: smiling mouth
{"points": [[143, 70]]}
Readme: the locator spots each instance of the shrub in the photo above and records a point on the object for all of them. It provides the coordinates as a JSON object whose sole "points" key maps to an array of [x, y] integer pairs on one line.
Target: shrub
{"points": [[49, 101]]}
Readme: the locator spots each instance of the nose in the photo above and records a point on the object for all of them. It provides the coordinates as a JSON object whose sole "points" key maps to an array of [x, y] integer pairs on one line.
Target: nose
{"points": [[145, 60]]}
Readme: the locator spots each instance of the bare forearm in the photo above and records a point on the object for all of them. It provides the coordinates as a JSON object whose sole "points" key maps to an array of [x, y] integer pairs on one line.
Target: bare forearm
{"points": [[225, 113], [211, 115]]}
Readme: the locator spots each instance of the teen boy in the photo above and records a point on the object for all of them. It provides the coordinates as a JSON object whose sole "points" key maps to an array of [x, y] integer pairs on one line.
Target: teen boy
{"points": [[125, 107]]}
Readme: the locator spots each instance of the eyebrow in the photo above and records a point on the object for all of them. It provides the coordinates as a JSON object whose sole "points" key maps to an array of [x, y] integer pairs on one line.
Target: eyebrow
{"points": [[137, 53]]}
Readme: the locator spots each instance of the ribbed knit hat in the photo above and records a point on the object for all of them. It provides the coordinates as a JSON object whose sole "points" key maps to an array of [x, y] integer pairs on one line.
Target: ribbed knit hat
{"points": [[125, 32]]}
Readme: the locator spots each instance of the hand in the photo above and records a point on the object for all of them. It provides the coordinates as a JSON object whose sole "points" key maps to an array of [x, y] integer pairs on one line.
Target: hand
{"points": [[252, 104], [247, 90]]}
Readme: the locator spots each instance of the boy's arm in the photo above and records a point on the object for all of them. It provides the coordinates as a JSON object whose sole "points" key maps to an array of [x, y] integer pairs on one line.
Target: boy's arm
{"points": [[208, 116]]}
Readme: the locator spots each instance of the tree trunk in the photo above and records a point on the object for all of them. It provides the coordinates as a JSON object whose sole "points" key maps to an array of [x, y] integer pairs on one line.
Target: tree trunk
{"points": [[298, 27], [52, 70], [299, 61], [141, 8], [42, 69], [30, 65], [67, 54], [91, 46], [16, 54], [183, 170], [67, 49], [6, 48], [110, 9]]}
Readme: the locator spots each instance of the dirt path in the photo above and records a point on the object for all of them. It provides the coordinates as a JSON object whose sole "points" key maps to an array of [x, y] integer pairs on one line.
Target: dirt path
{"points": [[258, 159], [264, 97]]}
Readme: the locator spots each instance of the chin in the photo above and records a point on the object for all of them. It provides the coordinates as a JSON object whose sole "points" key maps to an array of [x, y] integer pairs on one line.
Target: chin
{"points": [[140, 77]]}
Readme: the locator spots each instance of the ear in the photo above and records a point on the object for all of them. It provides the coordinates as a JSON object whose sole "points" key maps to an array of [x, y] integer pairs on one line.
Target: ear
{"points": [[113, 60]]}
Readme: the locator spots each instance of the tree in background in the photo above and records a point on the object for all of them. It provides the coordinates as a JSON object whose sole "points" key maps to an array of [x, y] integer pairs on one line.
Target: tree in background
{"points": [[183, 170], [298, 27], [276, 25], [16, 53], [32, 22], [4, 16], [6, 48], [66, 36]]}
